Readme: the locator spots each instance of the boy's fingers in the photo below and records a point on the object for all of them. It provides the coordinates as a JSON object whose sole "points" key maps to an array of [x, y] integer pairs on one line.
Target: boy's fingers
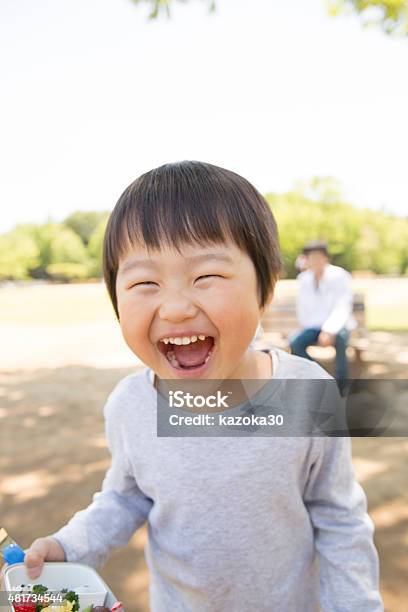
{"points": [[34, 563], [35, 557]]}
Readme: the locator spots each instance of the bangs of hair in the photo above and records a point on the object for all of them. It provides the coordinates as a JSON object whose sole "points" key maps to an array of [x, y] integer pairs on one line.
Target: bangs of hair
{"points": [[189, 203]]}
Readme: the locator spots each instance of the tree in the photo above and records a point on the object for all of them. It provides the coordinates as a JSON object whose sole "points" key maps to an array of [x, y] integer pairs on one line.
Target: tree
{"points": [[383, 247], [301, 219], [69, 258], [66, 272], [95, 246], [56, 244], [19, 253], [67, 247], [358, 239], [320, 189], [84, 223], [391, 15], [158, 7]]}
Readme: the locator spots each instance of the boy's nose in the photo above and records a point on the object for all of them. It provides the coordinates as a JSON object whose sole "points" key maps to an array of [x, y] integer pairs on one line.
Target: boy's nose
{"points": [[176, 308]]}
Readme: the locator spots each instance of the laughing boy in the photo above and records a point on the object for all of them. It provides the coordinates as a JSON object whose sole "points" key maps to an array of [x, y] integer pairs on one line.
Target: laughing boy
{"points": [[236, 524]]}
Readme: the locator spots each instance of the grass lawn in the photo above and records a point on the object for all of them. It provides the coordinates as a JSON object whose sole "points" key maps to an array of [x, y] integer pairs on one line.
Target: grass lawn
{"points": [[386, 303], [387, 318], [55, 304]]}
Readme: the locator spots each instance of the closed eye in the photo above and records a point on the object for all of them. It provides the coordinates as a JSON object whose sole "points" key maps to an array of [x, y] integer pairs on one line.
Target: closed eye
{"points": [[210, 276], [151, 283], [144, 284]]}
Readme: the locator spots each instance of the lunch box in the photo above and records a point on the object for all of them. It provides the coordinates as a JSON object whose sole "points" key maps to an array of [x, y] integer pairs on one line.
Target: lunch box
{"points": [[77, 577]]}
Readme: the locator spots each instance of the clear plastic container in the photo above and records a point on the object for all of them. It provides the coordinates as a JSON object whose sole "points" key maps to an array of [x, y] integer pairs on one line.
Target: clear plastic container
{"points": [[82, 579]]}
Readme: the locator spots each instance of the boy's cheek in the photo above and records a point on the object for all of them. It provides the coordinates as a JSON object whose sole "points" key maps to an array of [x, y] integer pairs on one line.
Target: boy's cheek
{"points": [[139, 345], [237, 305], [232, 298], [121, 302], [131, 309], [134, 327], [237, 327]]}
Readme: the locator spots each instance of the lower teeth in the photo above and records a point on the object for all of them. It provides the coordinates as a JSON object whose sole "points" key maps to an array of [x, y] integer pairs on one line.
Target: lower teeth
{"points": [[208, 356]]}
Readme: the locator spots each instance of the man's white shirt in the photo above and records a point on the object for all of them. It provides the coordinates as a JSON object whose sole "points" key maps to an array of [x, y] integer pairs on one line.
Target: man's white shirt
{"points": [[329, 305]]}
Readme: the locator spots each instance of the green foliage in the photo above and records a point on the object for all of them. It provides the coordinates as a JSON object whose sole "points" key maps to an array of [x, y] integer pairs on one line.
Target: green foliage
{"points": [[358, 239], [390, 15], [66, 246], [84, 223], [51, 250], [56, 244], [95, 246], [383, 247], [28, 250], [43, 236], [18, 253], [67, 271], [320, 188], [159, 7]]}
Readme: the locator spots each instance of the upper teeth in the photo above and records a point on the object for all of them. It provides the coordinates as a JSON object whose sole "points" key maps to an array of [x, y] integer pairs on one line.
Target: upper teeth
{"points": [[184, 340]]}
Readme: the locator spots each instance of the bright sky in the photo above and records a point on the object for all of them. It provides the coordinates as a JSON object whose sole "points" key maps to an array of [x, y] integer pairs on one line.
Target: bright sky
{"points": [[94, 94]]}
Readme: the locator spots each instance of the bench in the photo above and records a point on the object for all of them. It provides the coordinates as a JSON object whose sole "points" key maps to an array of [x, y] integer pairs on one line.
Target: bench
{"points": [[280, 322]]}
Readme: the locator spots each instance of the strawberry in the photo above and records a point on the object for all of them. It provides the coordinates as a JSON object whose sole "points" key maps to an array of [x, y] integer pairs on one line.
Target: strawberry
{"points": [[25, 606]]}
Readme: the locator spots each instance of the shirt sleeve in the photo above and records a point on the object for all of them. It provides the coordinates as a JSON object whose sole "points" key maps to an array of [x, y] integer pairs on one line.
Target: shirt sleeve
{"points": [[337, 506], [343, 305], [116, 511]]}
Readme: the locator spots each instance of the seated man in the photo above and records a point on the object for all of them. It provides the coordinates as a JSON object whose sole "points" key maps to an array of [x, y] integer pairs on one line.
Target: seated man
{"points": [[324, 308]]}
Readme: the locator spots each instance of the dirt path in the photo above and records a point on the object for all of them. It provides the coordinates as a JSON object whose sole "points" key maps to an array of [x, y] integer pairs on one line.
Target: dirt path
{"points": [[53, 457]]}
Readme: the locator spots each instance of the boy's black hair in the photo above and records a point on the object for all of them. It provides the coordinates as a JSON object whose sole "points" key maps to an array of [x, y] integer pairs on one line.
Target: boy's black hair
{"points": [[192, 202]]}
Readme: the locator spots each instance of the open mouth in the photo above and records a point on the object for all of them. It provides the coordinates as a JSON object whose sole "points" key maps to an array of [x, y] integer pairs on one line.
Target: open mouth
{"points": [[187, 353]]}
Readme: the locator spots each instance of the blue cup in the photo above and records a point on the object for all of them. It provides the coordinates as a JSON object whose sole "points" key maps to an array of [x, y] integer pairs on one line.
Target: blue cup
{"points": [[13, 554]]}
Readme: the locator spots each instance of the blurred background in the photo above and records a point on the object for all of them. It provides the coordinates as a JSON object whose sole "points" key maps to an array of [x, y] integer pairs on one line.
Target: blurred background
{"points": [[305, 98]]}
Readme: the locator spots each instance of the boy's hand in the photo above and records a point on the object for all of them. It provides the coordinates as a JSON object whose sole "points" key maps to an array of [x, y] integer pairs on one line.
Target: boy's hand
{"points": [[42, 549]]}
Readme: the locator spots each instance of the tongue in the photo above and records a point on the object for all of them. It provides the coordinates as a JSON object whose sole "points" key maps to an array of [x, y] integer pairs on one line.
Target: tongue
{"points": [[193, 354]]}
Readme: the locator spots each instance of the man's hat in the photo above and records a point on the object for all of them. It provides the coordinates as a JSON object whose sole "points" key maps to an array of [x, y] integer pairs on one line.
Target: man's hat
{"points": [[316, 245]]}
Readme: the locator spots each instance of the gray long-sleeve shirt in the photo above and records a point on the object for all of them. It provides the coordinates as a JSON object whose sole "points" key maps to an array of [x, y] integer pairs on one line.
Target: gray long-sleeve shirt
{"points": [[235, 523]]}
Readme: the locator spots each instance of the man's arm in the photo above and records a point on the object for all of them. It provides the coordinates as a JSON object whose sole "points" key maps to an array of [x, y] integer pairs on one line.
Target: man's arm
{"points": [[343, 307], [349, 572], [115, 512]]}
